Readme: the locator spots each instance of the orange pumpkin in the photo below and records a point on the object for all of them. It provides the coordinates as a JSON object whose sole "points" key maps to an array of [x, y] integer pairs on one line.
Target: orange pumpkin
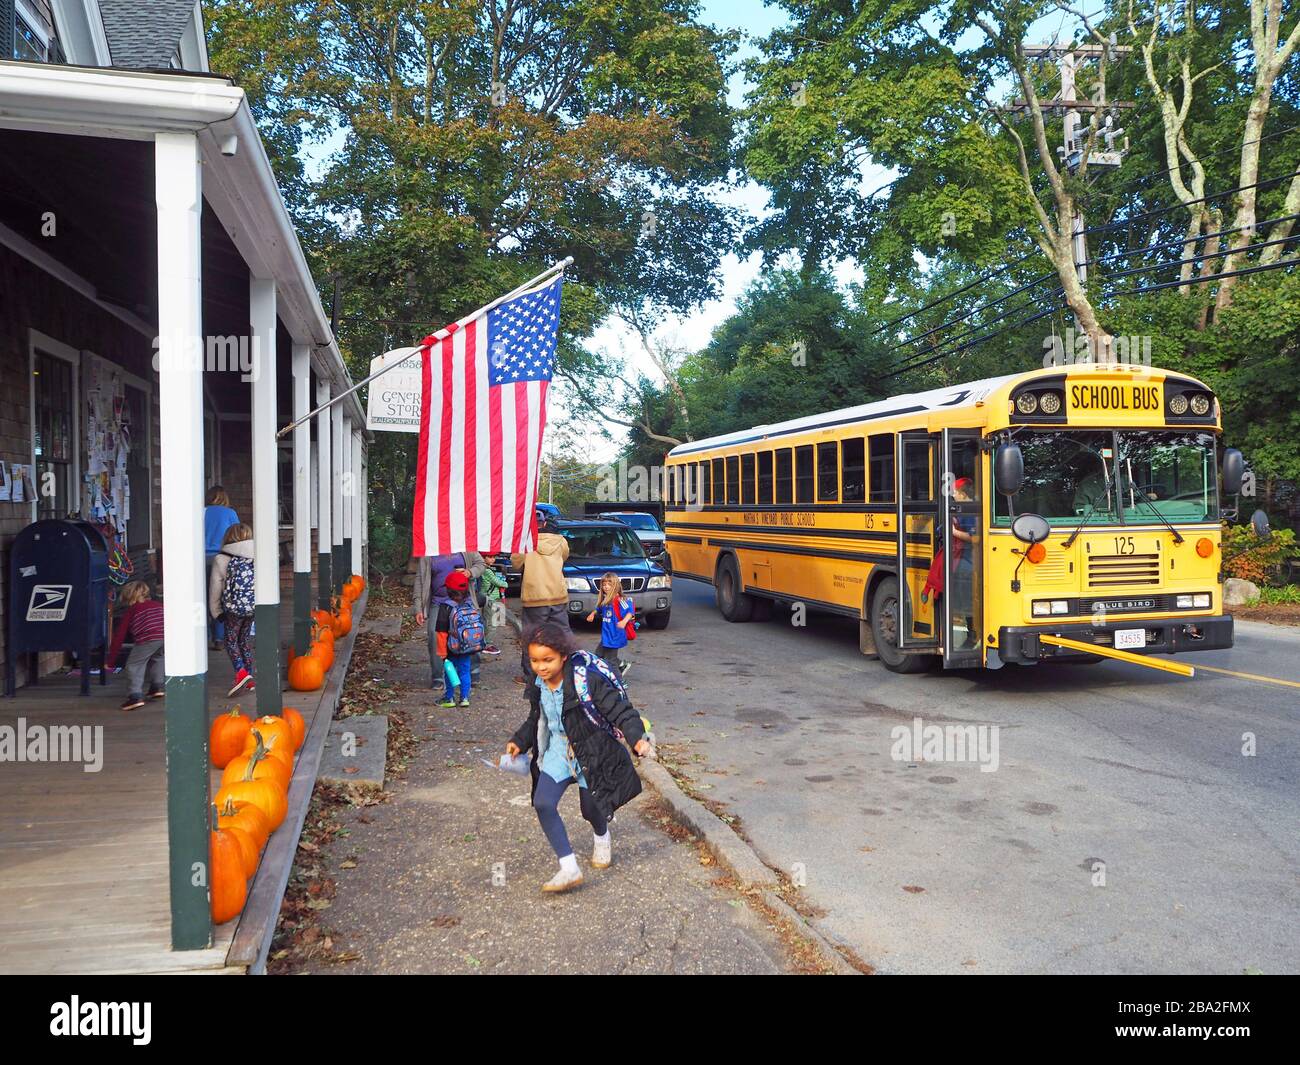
{"points": [[246, 817], [360, 582], [226, 740], [257, 765], [249, 852], [278, 746], [306, 673], [324, 634], [297, 726], [342, 620], [322, 618], [227, 881], [267, 794], [324, 654], [273, 725]]}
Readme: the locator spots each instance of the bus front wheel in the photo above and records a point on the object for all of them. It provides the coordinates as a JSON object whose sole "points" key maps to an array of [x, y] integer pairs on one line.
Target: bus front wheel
{"points": [[733, 604], [885, 617]]}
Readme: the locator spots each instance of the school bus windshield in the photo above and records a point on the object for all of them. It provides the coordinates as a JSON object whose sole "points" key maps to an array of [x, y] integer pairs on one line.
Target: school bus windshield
{"points": [[1132, 477]]}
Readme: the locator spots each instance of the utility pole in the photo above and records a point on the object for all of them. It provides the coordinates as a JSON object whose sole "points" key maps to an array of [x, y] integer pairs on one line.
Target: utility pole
{"points": [[1074, 134]]}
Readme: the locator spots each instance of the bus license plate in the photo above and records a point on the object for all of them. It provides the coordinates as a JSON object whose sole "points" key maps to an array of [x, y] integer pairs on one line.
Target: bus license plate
{"points": [[1127, 639]]}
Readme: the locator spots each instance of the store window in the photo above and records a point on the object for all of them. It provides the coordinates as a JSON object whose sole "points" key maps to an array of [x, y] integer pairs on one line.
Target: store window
{"points": [[54, 439]]}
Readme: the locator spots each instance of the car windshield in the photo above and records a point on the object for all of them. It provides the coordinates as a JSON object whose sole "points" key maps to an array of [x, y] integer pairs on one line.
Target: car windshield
{"points": [[603, 542], [1066, 474], [644, 522]]}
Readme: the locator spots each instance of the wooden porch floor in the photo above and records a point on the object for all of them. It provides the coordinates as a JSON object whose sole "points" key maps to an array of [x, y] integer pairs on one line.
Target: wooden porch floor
{"points": [[83, 855]]}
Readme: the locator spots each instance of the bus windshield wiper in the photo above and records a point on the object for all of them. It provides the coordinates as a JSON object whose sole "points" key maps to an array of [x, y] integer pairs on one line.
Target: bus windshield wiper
{"points": [[1143, 497], [1092, 505]]}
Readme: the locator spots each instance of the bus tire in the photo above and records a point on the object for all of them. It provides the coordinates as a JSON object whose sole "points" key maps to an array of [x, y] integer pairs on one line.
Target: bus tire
{"points": [[762, 608], [884, 628], [733, 604]]}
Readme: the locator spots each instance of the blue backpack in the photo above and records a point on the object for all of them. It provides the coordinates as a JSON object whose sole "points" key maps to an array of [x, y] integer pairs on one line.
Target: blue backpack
{"points": [[237, 596], [465, 633]]}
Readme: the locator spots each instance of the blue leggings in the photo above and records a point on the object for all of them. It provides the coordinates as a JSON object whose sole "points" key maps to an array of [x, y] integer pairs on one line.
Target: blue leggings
{"points": [[546, 799], [463, 667]]}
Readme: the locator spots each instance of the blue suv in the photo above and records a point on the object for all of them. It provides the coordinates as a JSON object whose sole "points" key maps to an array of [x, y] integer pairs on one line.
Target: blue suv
{"points": [[598, 547]]}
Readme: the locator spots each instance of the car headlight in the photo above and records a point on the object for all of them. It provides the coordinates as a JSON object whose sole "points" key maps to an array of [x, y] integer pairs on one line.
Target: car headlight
{"points": [[577, 584], [659, 582]]}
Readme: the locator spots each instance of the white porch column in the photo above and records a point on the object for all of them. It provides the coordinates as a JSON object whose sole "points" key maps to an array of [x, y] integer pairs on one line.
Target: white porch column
{"points": [[324, 488], [178, 191], [266, 498], [358, 503], [336, 495], [349, 495], [301, 499]]}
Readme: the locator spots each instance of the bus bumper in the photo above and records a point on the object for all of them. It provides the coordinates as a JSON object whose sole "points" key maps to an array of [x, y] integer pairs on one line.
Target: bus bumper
{"points": [[1165, 636]]}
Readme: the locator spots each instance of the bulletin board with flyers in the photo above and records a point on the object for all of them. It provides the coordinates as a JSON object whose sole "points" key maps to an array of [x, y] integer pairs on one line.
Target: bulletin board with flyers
{"points": [[110, 436]]}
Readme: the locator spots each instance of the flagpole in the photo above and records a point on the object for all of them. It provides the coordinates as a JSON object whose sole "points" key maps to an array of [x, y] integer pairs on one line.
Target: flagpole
{"points": [[446, 331]]}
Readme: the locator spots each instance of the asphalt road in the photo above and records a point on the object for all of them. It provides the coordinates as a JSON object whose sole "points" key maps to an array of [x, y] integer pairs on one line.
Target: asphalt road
{"points": [[1122, 831]]}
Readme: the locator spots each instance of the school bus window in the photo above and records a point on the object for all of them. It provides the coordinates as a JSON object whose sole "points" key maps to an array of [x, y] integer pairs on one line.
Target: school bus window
{"points": [[784, 478], [688, 484], [670, 484], [705, 487], [764, 478], [747, 480], [719, 491], [881, 451], [803, 474], [733, 480], [916, 475], [853, 478], [828, 472]]}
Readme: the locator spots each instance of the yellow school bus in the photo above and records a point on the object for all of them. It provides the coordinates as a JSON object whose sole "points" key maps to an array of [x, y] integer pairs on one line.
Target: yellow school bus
{"points": [[1060, 513]]}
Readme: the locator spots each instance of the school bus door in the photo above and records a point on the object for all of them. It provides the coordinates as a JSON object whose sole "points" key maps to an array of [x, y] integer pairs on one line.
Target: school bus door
{"points": [[918, 527]]}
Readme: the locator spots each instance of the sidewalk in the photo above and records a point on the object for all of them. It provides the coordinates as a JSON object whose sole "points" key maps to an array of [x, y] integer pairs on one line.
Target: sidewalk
{"points": [[442, 873]]}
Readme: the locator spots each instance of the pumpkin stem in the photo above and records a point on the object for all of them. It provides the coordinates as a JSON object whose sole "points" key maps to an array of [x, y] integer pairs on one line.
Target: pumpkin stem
{"points": [[258, 754]]}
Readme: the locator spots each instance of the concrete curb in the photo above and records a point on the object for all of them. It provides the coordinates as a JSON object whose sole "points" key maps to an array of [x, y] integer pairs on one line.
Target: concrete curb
{"points": [[738, 857]]}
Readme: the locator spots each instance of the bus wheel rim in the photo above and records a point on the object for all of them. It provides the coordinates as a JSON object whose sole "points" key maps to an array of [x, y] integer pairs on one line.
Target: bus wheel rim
{"points": [[889, 621]]}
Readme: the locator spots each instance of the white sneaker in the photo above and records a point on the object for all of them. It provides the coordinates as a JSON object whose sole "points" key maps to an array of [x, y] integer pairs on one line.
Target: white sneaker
{"points": [[600, 852], [564, 880]]}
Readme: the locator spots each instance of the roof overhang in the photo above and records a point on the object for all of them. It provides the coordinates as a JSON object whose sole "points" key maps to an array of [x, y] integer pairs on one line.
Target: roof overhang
{"points": [[241, 188]]}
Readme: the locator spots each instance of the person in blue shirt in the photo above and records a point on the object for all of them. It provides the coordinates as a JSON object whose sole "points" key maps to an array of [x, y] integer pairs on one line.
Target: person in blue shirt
{"points": [[617, 615], [218, 516]]}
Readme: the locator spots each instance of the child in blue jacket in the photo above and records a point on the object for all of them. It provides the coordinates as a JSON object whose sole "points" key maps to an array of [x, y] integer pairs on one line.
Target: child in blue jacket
{"points": [[617, 615]]}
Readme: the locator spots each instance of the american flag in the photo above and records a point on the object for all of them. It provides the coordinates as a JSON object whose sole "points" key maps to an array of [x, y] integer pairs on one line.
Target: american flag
{"points": [[481, 423]]}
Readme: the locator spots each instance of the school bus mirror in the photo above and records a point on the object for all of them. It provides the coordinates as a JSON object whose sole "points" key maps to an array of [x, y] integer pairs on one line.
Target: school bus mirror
{"points": [[1031, 528], [1259, 522], [1234, 469], [1009, 468]]}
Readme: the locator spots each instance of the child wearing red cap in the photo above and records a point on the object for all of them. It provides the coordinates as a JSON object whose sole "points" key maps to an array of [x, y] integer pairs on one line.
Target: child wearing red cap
{"points": [[460, 637]]}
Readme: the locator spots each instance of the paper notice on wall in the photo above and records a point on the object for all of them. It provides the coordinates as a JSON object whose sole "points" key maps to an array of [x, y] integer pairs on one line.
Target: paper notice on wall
{"points": [[393, 401], [4, 483], [17, 481]]}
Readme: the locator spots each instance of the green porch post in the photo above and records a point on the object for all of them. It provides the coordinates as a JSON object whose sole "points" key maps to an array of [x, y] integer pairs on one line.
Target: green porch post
{"points": [[179, 198]]}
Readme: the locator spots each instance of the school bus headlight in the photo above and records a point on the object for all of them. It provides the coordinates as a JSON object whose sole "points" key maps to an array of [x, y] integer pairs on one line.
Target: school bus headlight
{"points": [[1201, 602], [1204, 547], [1184, 602], [1042, 608], [1178, 405], [1200, 404], [1060, 606], [1026, 403], [1035, 553], [659, 582], [1049, 403]]}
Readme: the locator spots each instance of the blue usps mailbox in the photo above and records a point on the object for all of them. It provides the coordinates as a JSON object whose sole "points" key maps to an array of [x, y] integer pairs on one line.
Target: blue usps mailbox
{"points": [[58, 596]]}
